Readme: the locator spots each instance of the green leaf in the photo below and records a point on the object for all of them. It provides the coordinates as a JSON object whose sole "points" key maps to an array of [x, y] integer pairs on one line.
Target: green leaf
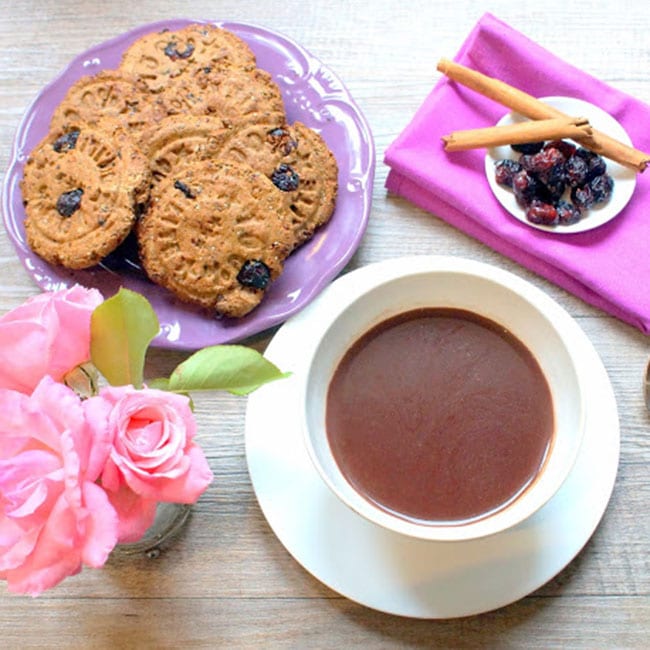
{"points": [[161, 383], [121, 329], [234, 368]]}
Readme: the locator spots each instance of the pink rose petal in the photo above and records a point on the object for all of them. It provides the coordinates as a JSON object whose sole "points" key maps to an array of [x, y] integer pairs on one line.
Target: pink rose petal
{"points": [[154, 457], [49, 334], [53, 516]]}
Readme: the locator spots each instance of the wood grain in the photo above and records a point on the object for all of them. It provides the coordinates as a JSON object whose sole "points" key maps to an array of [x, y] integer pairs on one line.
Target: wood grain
{"points": [[226, 581]]}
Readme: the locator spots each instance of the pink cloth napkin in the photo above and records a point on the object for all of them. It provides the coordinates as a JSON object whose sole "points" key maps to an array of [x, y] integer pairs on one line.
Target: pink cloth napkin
{"points": [[608, 267]]}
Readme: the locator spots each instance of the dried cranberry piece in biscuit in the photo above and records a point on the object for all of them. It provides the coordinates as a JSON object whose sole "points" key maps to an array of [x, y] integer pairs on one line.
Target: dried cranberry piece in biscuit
{"points": [[281, 141], [69, 202], [171, 50], [285, 178], [254, 273], [66, 142], [186, 190]]}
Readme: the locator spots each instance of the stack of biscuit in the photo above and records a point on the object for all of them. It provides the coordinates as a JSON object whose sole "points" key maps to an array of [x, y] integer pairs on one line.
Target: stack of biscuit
{"points": [[186, 147]]}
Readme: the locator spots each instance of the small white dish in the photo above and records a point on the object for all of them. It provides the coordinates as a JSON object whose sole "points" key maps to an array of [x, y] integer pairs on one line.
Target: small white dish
{"points": [[394, 573], [624, 178], [526, 312]]}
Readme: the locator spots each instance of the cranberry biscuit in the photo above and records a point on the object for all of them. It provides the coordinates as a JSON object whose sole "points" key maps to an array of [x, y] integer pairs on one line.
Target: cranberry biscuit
{"points": [[180, 138], [215, 235], [234, 95], [298, 162], [158, 57], [295, 158], [108, 94], [82, 191]]}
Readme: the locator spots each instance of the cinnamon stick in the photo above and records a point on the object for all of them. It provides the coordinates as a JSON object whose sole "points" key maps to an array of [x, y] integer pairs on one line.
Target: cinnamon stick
{"points": [[533, 108], [555, 128]]}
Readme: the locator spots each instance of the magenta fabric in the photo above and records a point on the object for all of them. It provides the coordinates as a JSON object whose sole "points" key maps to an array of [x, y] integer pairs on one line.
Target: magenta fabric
{"points": [[608, 267]]}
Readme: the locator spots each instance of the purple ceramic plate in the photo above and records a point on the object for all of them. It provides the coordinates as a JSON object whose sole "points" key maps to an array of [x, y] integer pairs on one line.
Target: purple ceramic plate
{"points": [[314, 95]]}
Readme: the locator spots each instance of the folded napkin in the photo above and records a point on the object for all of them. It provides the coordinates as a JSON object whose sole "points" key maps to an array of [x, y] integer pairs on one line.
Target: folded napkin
{"points": [[607, 267]]}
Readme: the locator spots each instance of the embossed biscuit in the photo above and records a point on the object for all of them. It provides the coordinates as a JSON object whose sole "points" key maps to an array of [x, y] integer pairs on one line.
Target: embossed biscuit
{"points": [[295, 158], [215, 235], [234, 95], [108, 94], [181, 138], [160, 56], [82, 190], [299, 163]]}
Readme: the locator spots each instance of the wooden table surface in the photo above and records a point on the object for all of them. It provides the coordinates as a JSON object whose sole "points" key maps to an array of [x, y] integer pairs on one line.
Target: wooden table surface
{"points": [[227, 582]]}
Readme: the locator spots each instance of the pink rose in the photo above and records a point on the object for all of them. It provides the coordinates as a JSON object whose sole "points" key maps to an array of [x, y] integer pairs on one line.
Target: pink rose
{"points": [[53, 515], [49, 334], [153, 458]]}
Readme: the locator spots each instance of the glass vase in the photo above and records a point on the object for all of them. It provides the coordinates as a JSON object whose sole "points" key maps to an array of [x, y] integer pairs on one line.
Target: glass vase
{"points": [[170, 519]]}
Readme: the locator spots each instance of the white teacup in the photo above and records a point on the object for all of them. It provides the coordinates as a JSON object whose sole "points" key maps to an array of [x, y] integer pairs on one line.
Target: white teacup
{"points": [[531, 316]]}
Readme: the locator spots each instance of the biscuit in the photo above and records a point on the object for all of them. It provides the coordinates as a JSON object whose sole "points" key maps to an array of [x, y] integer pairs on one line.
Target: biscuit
{"points": [[234, 95], [299, 163], [158, 57], [82, 190], [108, 94], [295, 158], [180, 138], [215, 235]]}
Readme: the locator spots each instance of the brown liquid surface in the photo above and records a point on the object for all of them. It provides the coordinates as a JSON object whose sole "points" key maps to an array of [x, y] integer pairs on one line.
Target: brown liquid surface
{"points": [[439, 415]]}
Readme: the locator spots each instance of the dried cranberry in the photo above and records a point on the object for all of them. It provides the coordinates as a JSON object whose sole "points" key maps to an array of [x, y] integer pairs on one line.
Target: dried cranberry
{"points": [[565, 148], [254, 274], [596, 164], [576, 171], [172, 52], [526, 187], [545, 160], [66, 142], [69, 202], [281, 140], [582, 196], [526, 161], [541, 213], [542, 178], [179, 185], [567, 213], [285, 179], [601, 187], [505, 170], [554, 182], [527, 147]]}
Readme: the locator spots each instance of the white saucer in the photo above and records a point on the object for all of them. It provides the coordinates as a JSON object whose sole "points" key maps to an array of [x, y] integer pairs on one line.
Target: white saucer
{"points": [[624, 178], [401, 575]]}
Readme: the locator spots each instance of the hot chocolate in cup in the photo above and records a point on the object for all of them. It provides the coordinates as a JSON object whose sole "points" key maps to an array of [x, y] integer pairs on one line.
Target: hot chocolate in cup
{"points": [[442, 401]]}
